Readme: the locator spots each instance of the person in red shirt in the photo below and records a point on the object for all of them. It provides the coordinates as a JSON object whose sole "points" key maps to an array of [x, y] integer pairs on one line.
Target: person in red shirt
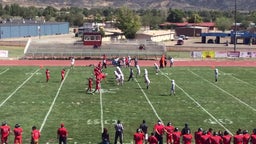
{"points": [[62, 134], [62, 74], [187, 137], [17, 134], [35, 135], [246, 137], [152, 139], [138, 137], [90, 82], [176, 136], [253, 137], [169, 131], [238, 138], [205, 138], [198, 135], [215, 138], [47, 73], [159, 131], [5, 131], [97, 86], [226, 138]]}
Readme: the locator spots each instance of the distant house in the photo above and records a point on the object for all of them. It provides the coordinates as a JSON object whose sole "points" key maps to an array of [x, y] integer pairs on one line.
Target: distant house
{"points": [[155, 35]]}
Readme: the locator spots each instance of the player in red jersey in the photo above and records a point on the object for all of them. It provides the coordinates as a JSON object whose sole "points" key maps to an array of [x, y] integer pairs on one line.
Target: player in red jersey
{"points": [[215, 138], [187, 137], [253, 137], [169, 131], [62, 74], [35, 135], [47, 73], [90, 82], [17, 134], [97, 86], [176, 136], [226, 138], [205, 138], [238, 138], [246, 137], [159, 131], [138, 137], [198, 135], [5, 131], [152, 139], [62, 134]]}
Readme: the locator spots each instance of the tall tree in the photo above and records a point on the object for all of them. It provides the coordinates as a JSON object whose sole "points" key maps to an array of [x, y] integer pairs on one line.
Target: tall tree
{"points": [[175, 16], [128, 22], [223, 23]]}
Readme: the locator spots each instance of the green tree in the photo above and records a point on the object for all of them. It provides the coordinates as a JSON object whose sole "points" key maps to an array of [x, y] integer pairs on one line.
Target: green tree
{"points": [[175, 16], [195, 18], [223, 23], [128, 22]]}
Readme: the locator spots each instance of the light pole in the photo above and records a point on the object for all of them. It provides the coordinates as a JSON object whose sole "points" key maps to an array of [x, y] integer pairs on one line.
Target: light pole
{"points": [[235, 28]]}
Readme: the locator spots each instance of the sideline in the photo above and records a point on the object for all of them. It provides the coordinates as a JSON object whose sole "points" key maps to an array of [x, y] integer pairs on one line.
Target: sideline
{"points": [[238, 79], [223, 91], [53, 102], [19, 87], [148, 100], [101, 110], [198, 104], [4, 71]]}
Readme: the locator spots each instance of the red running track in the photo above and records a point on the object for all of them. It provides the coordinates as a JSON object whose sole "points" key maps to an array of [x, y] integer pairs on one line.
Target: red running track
{"points": [[240, 63]]}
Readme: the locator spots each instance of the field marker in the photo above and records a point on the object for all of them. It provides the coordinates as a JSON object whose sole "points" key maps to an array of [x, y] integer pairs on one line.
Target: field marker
{"points": [[4, 71], [223, 91], [240, 80], [19, 87], [148, 100], [53, 102], [199, 105]]}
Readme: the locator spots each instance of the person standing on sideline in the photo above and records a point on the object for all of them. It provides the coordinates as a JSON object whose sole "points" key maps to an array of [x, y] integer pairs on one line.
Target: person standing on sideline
{"points": [[169, 129], [131, 76], [253, 137], [187, 137], [171, 61], [17, 134], [197, 136], [185, 129], [35, 135], [226, 138], [119, 132], [246, 137], [238, 138], [90, 82], [152, 139], [72, 62], [144, 128], [138, 137], [62, 134], [5, 131], [176, 136], [47, 74], [172, 91], [216, 74], [105, 136], [62, 74], [159, 131]]}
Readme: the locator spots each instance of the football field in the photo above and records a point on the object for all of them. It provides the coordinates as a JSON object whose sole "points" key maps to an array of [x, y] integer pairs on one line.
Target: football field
{"points": [[27, 99]]}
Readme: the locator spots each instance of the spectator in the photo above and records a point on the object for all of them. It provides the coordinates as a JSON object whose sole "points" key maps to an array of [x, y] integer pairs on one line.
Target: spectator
{"points": [[105, 136], [17, 134], [35, 135], [119, 132], [5, 131], [62, 134]]}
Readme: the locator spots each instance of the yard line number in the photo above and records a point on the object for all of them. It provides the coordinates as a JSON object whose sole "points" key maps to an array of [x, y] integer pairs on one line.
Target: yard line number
{"points": [[222, 121]]}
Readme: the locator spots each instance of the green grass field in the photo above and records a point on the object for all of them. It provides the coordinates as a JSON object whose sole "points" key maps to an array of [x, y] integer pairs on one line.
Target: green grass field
{"points": [[28, 100]]}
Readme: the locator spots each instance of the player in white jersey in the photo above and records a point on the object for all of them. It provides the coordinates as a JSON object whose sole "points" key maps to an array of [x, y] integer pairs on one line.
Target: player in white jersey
{"points": [[216, 73], [147, 81], [119, 71], [172, 90], [157, 68], [145, 72], [118, 77], [138, 70]]}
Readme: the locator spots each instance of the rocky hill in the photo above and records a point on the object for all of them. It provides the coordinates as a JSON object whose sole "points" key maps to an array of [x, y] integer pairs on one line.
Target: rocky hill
{"points": [[243, 5]]}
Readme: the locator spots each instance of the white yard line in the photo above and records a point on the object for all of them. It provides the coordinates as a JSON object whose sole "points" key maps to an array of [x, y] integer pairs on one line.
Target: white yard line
{"points": [[224, 91], [19, 87], [216, 120], [101, 110], [148, 100], [238, 79], [53, 102], [4, 71]]}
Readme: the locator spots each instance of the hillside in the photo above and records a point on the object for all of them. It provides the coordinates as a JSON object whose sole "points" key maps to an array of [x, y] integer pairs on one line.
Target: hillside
{"points": [[137, 4]]}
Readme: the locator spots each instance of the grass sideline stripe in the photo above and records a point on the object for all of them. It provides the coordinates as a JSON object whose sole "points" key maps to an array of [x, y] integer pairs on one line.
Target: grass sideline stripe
{"points": [[4, 71]]}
